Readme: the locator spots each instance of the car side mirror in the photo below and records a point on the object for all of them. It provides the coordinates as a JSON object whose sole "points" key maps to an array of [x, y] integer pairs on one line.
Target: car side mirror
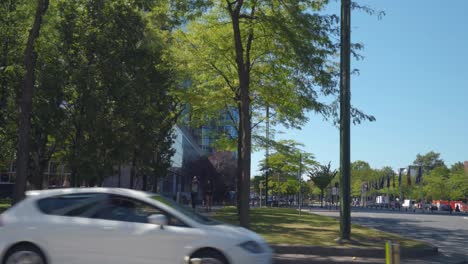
{"points": [[158, 219]]}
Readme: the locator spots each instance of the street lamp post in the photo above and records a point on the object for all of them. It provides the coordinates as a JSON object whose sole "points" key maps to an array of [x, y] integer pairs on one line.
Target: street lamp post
{"points": [[345, 118], [300, 178], [400, 182]]}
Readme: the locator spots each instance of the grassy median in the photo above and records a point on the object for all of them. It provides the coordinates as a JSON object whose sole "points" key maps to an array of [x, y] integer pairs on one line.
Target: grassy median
{"points": [[285, 226]]}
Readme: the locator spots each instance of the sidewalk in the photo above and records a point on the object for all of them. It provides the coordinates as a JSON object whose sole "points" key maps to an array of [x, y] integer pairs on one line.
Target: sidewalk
{"points": [[310, 254], [382, 209], [315, 259]]}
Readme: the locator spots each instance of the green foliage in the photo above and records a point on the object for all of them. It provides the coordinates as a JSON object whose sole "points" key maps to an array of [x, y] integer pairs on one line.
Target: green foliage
{"points": [[322, 175], [104, 83], [361, 173], [444, 184], [457, 167], [458, 185], [292, 60], [286, 161], [15, 21], [429, 161], [117, 88], [436, 183]]}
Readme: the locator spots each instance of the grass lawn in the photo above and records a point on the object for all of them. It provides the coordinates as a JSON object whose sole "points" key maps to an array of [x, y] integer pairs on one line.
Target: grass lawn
{"points": [[285, 226]]}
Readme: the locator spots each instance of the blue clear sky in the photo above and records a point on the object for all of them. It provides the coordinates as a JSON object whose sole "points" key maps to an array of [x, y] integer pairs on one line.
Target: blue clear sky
{"points": [[414, 80]]}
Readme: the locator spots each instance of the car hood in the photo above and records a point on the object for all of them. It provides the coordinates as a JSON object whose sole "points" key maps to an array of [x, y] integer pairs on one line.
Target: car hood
{"points": [[235, 232]]}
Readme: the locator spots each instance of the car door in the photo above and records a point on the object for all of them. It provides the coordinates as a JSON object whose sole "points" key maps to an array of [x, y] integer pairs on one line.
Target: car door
{"points": [[70, 235], [129, 237]]}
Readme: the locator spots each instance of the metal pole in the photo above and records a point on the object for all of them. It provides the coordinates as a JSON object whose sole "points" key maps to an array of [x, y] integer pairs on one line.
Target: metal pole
{"points": [[300, 178], [267, 152], [345, 128], [400, 181]]}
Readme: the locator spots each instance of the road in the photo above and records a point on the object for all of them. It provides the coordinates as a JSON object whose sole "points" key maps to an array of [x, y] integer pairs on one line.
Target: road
{"points": [[447, 232]]}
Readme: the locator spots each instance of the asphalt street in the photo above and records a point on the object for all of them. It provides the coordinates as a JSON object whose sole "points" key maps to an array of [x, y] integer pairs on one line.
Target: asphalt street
{"points": [[447, 232]]}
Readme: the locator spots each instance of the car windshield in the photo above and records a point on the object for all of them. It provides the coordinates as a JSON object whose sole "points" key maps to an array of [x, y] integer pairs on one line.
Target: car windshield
{"points": [[186, 211]]}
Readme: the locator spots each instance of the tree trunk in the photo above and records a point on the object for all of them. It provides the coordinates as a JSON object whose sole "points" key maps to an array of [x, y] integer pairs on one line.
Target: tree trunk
{"points": [[120, 176], [133, 171], [245, 136], [321, 198], [155, 184], [239, 164], [25, 104], [145, 181], [154, 187], [246, 154]]}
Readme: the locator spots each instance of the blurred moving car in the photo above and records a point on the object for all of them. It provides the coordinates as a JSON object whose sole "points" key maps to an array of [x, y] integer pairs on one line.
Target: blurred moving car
{"points": [[110, 225]]}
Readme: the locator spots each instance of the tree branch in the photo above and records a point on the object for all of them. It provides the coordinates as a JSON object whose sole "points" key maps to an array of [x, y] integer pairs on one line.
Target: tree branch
{"points": [[234, 122], [226, 79], [251, 17], [259, 122]]}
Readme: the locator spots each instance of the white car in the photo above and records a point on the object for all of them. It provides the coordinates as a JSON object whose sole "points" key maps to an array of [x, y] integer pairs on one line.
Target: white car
{"points": [[110, 225]]}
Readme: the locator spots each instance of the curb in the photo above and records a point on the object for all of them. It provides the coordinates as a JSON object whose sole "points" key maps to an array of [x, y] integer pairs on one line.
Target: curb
{"points": [[351, 252]]}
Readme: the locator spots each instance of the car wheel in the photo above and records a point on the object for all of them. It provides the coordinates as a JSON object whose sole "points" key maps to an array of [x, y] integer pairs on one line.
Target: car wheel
{"points": [[24, 254], [208, 257]]}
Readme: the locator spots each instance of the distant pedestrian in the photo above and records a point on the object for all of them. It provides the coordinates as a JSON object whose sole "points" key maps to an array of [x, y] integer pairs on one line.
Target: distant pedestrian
{"points": [[209, 195], [194, 192], [450, 209], [457, 208]]}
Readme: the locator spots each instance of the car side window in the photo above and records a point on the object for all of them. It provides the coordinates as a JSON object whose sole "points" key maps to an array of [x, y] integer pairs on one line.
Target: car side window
{"points": [[118, 208], [77, 205]]}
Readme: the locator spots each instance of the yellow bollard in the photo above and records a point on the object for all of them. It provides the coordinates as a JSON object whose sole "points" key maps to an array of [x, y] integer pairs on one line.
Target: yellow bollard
{"points": [[388, 252], [396, 253], [392, 253]]}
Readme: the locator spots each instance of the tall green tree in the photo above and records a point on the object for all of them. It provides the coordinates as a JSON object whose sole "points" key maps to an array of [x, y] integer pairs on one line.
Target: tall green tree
{"points": [[436, 183], [25, 103], [249, 55], [361, 173], [457, 166], [429, 161], [322, 176], [117, 96], [458, 185], [15, 20]]}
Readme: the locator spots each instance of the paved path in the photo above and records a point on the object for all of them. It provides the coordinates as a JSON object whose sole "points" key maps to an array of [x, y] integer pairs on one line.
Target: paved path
{"points": [[447, 232]]}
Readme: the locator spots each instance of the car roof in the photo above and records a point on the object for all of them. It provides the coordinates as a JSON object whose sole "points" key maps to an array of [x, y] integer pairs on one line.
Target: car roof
{"points": [[62, 191]]}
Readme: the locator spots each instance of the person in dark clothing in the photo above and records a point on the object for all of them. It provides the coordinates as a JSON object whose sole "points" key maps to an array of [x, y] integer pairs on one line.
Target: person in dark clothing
{"points": [[194, 191], [209, 195], [457, 208]]}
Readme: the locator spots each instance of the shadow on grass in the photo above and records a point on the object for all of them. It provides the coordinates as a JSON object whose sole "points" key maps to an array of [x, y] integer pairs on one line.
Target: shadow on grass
{"points": [[286, 226]]}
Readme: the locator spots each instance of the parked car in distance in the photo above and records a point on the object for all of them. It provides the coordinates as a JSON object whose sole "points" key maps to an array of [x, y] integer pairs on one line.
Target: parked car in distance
{"points": [[430, 207], [445, 207], [111, 225]]}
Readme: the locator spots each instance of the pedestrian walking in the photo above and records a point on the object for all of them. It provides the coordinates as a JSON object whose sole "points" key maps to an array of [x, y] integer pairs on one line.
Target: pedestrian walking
{"points": [[209, 195], [194, 192]]}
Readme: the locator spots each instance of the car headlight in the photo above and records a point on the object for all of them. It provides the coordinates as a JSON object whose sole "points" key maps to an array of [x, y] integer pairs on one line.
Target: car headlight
{"points": [[252, 247]]}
